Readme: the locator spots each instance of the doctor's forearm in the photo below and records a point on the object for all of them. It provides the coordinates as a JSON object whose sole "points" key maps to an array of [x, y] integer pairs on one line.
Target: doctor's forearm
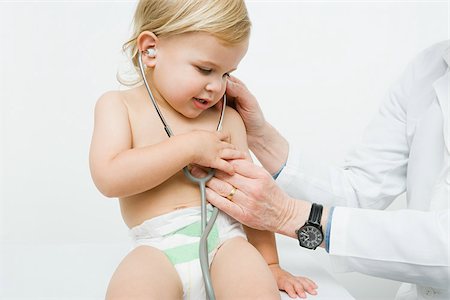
{"points": [[270, 147]]}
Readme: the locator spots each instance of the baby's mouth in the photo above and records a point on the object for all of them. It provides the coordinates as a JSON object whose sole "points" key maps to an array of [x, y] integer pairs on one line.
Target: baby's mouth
{"points": [[201, 101]]}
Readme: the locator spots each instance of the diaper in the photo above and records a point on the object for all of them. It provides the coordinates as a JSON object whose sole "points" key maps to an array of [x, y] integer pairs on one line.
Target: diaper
{"points": [[177, 234]]}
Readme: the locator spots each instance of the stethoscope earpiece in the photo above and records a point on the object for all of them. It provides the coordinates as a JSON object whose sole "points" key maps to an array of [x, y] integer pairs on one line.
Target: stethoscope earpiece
{"points": [[151, 52]]}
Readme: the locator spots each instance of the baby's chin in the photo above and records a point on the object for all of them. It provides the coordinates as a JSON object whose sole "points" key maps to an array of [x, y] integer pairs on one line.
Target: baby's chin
{"points": [[198, 112], [193, 114]]}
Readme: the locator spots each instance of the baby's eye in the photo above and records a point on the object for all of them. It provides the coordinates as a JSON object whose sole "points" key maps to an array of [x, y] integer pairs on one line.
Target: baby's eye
{"points": [[205, 71], [226, 75]]}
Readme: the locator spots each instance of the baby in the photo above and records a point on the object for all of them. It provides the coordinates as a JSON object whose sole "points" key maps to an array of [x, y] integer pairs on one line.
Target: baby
{"points": [[189, 48]]}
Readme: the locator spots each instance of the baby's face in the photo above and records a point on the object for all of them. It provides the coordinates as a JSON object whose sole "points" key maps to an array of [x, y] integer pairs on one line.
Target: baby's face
{"points": [[191, 71]]}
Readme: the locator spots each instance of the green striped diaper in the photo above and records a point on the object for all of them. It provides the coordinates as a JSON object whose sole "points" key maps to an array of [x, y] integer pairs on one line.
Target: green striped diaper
{"points": [[190, 251]]}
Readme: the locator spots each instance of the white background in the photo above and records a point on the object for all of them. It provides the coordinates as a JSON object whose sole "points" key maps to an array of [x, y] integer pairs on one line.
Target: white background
{"points": [[319, 69]]}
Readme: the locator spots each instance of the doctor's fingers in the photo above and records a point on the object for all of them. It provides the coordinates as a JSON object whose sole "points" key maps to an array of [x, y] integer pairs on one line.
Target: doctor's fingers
{"points": [[248, 194], [239, 95], [251, 179], [222, 181], [223, 188], [234, 79], [229, 207], [233, 86], [218, 186], [239, 208], [249, 169], [221, 163]]}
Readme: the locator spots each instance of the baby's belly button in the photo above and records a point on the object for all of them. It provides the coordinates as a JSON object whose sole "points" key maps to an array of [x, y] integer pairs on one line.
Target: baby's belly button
{"points": [[186, 205]]}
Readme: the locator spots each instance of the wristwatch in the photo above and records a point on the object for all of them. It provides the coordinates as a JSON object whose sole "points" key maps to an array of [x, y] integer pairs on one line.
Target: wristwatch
{"points": [[310, 235]]}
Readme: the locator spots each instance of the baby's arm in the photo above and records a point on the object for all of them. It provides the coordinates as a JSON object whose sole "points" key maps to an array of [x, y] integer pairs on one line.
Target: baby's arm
{"points": [[264, 241], [119, 170]]}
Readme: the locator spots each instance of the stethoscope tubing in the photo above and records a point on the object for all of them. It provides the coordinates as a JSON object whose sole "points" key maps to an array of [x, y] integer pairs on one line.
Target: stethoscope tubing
{"points": [[206, 225]]}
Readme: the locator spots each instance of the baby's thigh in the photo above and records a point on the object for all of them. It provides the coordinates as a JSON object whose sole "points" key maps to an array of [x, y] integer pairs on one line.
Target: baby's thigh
{"points": [[145, 273], [238, 271]]}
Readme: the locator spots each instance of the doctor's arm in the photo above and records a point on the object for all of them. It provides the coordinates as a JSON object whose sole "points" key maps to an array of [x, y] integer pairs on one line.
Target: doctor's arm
{"points": [[268, 145], [372, 176], [404, 245]]}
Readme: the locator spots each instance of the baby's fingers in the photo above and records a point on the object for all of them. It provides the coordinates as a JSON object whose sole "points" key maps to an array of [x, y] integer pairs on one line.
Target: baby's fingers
{"points": [[291, 291], [224, 166], [232, 154], [223, 136], [300, 290], [308, 285]]}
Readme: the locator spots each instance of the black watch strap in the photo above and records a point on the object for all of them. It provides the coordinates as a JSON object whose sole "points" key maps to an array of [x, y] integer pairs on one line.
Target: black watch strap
{"points": [[315, 214]]}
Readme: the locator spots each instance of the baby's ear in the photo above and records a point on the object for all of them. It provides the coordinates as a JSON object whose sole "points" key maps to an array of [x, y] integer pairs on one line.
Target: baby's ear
{"points": [[146, 44]]}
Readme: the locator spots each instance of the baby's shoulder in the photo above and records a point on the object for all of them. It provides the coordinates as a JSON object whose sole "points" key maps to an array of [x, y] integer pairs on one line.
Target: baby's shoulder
{"points": [[233, 121], [232, 117], [110, 98], [114, 104], [232, 114], [117, 99]]}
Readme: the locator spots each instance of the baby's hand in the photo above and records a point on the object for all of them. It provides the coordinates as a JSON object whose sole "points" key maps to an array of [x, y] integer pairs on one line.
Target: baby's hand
{"points": [[212, 149], [293, 285]]}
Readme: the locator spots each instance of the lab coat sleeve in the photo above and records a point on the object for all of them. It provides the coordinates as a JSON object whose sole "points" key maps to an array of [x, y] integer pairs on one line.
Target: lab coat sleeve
{"points": [[405, 245], [373, 175]]}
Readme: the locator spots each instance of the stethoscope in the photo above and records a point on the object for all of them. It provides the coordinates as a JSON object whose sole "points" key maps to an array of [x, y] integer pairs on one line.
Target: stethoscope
{"points": [[206, 225]]}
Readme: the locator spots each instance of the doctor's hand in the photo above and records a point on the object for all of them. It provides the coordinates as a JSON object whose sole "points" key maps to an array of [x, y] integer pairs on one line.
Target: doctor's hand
{"points": [[240, 98], [257, 201], [266, 143]]}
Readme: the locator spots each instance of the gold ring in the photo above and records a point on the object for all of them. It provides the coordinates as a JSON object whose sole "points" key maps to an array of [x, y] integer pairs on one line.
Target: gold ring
{"points": [[231, 194]]}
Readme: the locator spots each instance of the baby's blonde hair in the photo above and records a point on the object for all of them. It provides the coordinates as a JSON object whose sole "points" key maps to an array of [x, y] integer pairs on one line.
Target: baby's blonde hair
{"points": [[227, 20]]}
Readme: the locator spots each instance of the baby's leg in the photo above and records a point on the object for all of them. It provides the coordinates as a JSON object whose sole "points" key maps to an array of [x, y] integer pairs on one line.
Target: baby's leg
{"points": [[145, 273], [238, 271]]}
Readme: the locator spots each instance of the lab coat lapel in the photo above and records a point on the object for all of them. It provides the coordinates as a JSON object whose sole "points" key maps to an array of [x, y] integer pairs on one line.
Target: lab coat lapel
{"points": [[441, 86]]}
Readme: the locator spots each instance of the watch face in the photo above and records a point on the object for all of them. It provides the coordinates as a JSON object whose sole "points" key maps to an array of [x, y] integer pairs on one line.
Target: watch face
{"points": [[310, 237]]}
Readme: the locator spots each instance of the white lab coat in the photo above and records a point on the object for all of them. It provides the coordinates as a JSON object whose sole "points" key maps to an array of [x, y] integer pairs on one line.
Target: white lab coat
{"points": [[405, 148]]}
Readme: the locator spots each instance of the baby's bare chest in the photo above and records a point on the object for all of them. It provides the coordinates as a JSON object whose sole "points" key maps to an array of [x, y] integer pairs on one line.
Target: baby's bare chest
{"points": [[147, 128]]}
